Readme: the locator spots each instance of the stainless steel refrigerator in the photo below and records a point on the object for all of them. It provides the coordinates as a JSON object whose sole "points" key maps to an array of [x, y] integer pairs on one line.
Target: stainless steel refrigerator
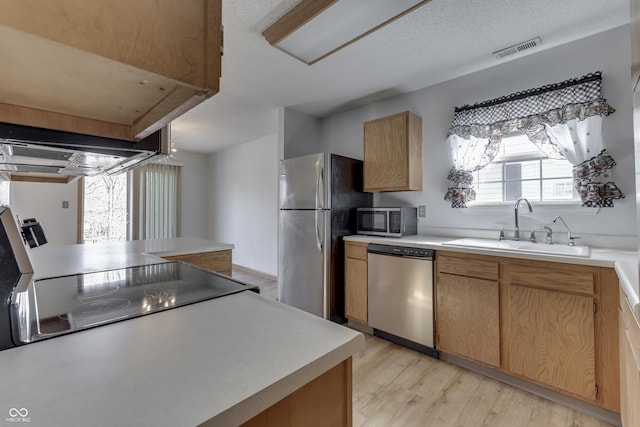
{"points": [[319, 195]]}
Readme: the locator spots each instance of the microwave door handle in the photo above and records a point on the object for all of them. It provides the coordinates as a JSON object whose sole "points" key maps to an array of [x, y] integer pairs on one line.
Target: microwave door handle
{"points": [[402, 222]]}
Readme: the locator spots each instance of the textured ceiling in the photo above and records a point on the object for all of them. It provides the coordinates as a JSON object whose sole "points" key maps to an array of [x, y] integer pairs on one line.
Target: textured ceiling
{"points": [[441, 40]]}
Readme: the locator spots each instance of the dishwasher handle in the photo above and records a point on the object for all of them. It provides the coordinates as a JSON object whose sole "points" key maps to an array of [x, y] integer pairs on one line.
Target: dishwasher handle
{"points": [[400, 251]]}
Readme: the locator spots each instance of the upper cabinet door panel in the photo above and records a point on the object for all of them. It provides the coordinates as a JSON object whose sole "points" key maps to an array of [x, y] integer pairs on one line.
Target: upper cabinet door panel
{"points": [[393, 153]]}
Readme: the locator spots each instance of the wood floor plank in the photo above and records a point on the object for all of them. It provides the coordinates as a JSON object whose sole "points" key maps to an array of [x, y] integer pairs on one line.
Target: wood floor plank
{"points": [[479, 406]]}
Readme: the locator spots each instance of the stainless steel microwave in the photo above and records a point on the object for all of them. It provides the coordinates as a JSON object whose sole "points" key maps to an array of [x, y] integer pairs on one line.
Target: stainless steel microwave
{"points": [[388, 222]]}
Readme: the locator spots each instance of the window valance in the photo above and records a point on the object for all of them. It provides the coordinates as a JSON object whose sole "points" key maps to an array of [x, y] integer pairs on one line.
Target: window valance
{"points": [[564, 120]]}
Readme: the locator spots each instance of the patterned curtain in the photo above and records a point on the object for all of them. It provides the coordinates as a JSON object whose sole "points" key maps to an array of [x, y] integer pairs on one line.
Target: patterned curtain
{"points": [[564, 120]]}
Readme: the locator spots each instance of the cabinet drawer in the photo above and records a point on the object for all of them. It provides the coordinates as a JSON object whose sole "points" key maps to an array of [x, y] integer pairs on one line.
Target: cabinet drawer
{"points": [[482, 269], [547, 277], [356, 250]]}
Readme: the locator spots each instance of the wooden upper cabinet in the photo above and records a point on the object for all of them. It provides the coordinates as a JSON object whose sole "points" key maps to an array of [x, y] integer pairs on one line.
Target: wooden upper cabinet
{"points": [[393, 153], [113, 68]]}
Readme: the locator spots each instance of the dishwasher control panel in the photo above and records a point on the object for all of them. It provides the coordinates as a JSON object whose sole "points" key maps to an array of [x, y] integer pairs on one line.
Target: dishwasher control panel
{"points": [[400, 250]]}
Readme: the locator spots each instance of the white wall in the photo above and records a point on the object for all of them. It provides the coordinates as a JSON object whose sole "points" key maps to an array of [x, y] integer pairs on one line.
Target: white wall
{"points": [[243, 202], [193, 194], [44, 202], [608, 52], [301, 134]]}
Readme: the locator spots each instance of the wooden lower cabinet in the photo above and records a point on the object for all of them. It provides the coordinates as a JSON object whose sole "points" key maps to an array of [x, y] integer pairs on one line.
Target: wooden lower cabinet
{"points": [[557, 324], [551, 339], [629, 365], [218, 261], [468, 318], [325, 401], [355, 281]]}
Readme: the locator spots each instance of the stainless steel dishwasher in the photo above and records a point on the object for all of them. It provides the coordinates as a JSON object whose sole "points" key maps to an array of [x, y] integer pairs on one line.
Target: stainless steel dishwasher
{"points": [[401, 299]]}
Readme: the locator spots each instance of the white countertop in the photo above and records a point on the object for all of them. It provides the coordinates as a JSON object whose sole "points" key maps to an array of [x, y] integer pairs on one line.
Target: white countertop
{"points": [[223, 360], [53, 260], [624, 262]]}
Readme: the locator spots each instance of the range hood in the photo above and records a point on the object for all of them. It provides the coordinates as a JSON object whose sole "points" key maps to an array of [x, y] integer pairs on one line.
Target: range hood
{"points": [[26, 150]]}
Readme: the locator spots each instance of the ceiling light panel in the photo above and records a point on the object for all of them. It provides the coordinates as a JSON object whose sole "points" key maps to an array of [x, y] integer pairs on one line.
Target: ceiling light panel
{"points": [[311, 31]]}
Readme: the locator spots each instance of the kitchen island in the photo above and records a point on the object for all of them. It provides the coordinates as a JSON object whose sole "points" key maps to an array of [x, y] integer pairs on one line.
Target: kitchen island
{"points": [[59, 260], [236, 359]]}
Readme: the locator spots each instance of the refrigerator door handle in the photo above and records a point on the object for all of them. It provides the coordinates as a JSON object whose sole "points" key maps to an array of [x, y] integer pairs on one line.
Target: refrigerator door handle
{"points": [[319, 187], [319, 196], [318, 240]]}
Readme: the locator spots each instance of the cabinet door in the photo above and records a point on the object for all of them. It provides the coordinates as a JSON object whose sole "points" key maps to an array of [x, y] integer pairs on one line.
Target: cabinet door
{"points": [[467, 318], [629, 365], [629, 381], [393, 153], [355, 284], [552, 339]]}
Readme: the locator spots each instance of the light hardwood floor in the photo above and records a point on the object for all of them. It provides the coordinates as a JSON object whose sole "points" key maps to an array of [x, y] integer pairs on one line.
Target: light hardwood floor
{"points": [[268, 284], [395, 386]]}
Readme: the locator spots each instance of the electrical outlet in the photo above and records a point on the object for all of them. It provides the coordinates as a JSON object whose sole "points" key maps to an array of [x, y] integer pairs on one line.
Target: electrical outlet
{"points": [[65, 205], [422, 211]]}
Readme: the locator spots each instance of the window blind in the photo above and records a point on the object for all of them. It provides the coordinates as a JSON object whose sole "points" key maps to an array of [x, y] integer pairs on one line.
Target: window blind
{"points": [[156, 202]]}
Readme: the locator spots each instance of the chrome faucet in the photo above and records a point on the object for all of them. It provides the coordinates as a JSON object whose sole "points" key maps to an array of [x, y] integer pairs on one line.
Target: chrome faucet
{"points": [[547, 230], [571, 239], [516, 234]]}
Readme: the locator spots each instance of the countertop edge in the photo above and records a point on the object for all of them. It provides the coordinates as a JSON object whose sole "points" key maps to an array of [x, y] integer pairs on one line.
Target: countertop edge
{"points": [[249, 408], [218, 396], [599, 257]]}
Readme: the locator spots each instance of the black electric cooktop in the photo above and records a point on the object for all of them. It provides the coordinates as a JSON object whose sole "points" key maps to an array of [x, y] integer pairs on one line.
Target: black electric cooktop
{"points": [[55, 306]]}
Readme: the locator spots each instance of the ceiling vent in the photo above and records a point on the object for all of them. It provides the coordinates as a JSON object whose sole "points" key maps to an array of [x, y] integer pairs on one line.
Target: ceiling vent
{"points": [[518, 47]]}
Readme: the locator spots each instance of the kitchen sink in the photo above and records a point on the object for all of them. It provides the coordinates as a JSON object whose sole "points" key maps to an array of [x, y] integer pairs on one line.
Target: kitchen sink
{"points": [[521, 246]]}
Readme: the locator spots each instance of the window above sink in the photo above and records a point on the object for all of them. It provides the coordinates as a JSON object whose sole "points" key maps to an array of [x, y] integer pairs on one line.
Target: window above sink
{"points": [[522, 170]]}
